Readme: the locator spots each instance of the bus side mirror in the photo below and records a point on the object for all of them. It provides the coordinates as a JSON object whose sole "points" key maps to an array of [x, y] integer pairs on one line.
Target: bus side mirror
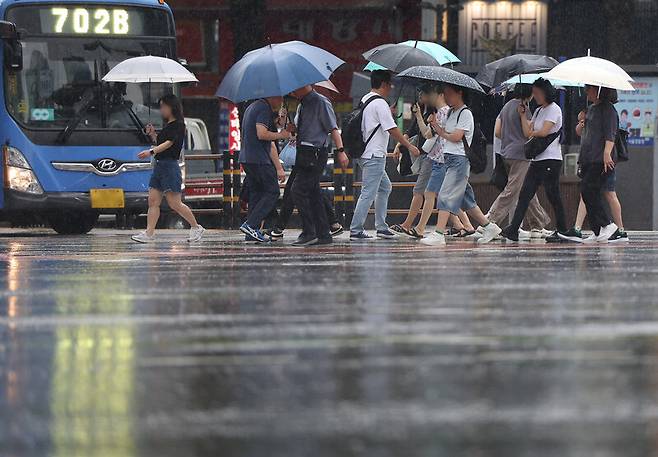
{"points": [[13, 51]]}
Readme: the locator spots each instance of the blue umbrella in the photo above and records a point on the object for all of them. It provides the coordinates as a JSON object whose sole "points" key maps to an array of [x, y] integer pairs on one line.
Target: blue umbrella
{"points": [[277, 69], [441, 54]]}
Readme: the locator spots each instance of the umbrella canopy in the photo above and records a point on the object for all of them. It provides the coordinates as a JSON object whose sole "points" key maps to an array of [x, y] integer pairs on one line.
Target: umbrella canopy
{"points": [[532, 77], [277, 69], [499, 71], [441, 54], [327, 85], [149, 69], [399, 57], [442, 75], [594, 72]]}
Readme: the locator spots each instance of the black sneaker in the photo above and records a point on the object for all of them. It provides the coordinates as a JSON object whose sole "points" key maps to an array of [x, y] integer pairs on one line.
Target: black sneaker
{"points": [[336, 230], [360, 236], [323, 241], [304, 240], [510, 235], [573, 234], [387, 234], [555, 238], [275, 233], [618, 237]]}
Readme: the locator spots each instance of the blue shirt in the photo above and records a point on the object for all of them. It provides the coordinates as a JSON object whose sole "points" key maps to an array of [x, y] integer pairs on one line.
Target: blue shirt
{"points": [[315, 120], [254, 150]]}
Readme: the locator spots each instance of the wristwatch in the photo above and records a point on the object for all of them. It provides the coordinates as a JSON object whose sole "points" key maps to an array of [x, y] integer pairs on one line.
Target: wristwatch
{"points": [[151, 151], [341, 149]]}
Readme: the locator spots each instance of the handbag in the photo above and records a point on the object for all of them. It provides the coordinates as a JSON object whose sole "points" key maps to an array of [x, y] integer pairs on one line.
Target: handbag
{"points": [[535, 145], [406, 161], [499, 176], [429, 144], [289, 154], [621, 145]]}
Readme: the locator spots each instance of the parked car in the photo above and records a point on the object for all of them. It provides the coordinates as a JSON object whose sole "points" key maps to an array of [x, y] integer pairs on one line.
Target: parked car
{"points": [[204, 179]]}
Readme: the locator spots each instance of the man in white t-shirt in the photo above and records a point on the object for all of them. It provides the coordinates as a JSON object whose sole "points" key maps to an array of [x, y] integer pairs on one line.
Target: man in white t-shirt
{"points": [[377, 126]]}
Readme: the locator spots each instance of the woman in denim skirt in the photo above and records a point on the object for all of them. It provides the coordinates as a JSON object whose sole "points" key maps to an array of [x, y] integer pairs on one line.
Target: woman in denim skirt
{"points": [[167, 180], [456, 193]]}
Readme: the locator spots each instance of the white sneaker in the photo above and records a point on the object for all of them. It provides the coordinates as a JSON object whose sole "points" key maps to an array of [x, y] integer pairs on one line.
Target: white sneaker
{"points": [[537, 233], [606, 232], [590, 239], [477, 235], [195, 234], [489, 232], [143, 238], [434, 239], [524, 235]]}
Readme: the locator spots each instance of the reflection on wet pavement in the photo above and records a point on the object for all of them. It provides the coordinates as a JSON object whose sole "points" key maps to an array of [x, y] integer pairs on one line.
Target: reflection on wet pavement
{"points": [[108, 348]]}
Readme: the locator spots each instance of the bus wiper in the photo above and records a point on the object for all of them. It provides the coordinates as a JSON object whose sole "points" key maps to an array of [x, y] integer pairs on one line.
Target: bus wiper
{"points": [[138, 123], [81, 108]]}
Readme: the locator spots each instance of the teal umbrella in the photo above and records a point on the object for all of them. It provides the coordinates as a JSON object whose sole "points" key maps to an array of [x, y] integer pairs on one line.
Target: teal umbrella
{"points": [[530, 78], [441, 54]]}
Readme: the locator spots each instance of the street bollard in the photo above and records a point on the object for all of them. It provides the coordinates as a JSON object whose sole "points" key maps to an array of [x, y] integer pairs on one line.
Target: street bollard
{"points": [[339, 191], [237, 187], [226, 191], [349, 193]]}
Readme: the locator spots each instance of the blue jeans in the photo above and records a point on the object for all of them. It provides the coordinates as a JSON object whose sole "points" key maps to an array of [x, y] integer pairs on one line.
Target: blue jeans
{"points": [[263, 191], [376, 188], [456, 193]]}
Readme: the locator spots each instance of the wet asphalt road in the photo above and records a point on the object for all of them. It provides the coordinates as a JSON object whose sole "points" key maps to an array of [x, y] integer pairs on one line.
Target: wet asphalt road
{"points": [[112, 349]]}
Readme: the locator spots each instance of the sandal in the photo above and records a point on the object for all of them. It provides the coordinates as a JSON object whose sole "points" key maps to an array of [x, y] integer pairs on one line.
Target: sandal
{"points": [[414, 234], [453, 231], [463, 233], [397, 228]]}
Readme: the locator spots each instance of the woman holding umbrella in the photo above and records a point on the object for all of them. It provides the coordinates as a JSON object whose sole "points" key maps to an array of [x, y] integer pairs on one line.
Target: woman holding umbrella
{"points": [[598, 132], [166, 180], [456, 193]]}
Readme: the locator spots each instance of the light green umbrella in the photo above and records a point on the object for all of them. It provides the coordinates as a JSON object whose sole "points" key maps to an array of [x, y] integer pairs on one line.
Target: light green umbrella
{"points": [[441, 54]]}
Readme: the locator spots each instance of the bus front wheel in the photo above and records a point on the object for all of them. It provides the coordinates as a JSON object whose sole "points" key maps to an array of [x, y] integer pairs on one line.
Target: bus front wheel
{"points": [[69, 223]]}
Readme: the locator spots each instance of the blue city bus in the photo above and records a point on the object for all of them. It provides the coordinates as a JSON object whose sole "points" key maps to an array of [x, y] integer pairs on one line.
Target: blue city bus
{"points": [[69, 140]]}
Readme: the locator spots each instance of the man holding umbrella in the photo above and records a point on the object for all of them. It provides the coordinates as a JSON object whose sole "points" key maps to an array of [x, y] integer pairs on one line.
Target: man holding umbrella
{"points": [[316, 122], [260, 160]]}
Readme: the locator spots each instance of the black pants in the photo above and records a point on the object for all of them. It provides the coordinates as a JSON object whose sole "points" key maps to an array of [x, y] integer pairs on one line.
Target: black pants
{"points": [[288, 205], [307, 196], [263, 192], [591, 186], [546, 173]]}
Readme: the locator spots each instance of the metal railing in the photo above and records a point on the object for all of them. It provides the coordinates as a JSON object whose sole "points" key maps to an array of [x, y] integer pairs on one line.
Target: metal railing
{"points": [[345, 189]]}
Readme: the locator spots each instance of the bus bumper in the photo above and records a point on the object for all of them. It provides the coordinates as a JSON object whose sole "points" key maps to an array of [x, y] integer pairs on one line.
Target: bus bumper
{"points": [[55, 201]]}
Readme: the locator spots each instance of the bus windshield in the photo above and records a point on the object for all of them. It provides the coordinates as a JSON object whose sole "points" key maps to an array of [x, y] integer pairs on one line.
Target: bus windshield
{"points": [[66, 53], [61, 73]]}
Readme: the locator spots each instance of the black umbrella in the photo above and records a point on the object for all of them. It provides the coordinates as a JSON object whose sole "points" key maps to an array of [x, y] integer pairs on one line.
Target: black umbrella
{"points": [[497, 72], [399, 57], [441, 75]]}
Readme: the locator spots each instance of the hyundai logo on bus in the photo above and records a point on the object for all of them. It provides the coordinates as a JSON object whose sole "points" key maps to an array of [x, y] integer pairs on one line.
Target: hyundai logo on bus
{"points": [[107, 165]]}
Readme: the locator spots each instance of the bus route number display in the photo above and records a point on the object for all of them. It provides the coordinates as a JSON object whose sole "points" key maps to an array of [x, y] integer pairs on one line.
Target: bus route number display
{"points": [[86, 21]]}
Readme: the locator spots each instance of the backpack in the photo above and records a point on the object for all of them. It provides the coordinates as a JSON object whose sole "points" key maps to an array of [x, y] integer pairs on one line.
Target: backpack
{"points": [[352, 134], [621, 143], [477, 151]]}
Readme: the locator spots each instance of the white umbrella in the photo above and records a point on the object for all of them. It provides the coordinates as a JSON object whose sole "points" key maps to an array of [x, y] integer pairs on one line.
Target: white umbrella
{"points": [[149, 69], [592, 71]]}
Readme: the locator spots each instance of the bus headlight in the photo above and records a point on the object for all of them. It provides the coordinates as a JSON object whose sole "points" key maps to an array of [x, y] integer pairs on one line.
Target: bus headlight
{"points": [[18, 173]]}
